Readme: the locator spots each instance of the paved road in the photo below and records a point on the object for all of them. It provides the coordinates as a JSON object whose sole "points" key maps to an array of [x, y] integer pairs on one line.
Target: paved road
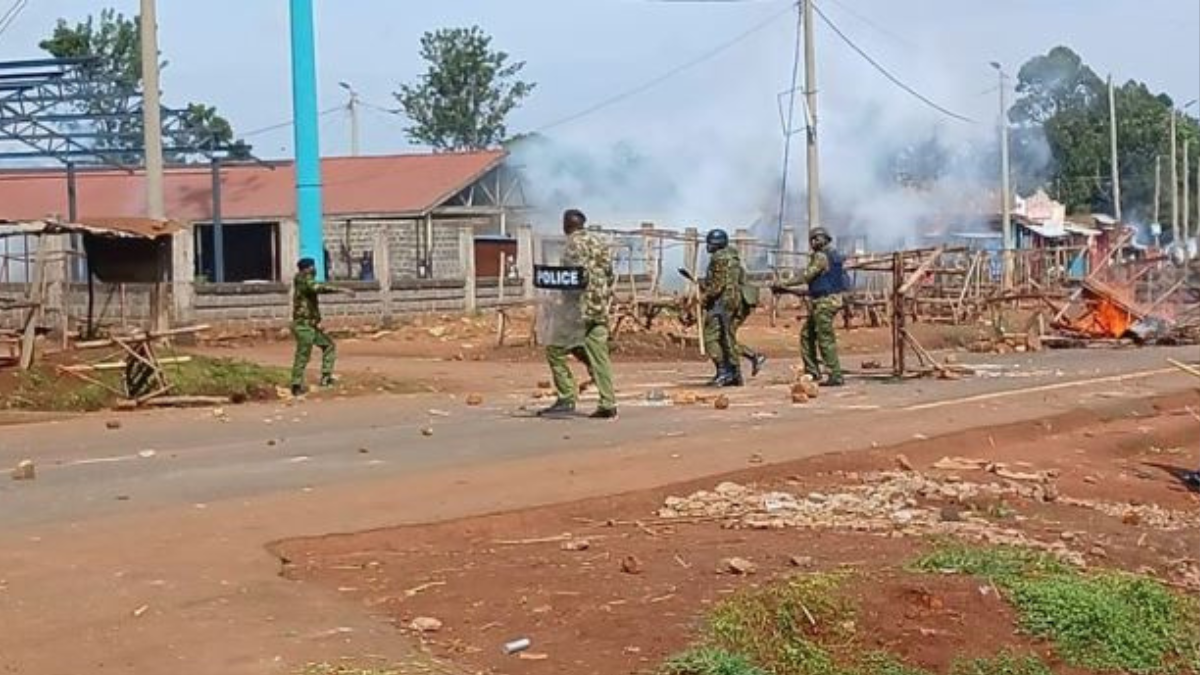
{"points": [[104, 532], [196, 457]]}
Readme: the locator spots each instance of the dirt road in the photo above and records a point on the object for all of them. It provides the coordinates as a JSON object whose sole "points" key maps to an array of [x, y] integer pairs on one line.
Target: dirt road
{"points": [[154, 562]]}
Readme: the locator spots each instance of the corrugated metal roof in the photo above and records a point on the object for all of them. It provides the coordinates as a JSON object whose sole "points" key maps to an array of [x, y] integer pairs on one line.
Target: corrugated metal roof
{"points": [[395, 185], [133, 228]]}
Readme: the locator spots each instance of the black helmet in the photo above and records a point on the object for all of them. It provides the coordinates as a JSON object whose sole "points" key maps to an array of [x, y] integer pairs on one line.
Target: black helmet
{"points": [[716, 240], [306, 264], [819, 232]]}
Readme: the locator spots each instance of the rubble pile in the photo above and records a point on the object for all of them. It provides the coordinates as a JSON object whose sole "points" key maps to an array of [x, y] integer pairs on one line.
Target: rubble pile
{"points": [[903, 503]]}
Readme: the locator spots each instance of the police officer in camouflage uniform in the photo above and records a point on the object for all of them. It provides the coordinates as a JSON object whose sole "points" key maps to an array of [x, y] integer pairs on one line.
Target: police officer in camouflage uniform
{"points": [[725, 311], [585, 249], [825, 279], [306, 325]]}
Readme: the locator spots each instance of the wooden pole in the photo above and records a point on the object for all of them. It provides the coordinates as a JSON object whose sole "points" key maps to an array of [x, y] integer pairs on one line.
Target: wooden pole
{"points": [[36, 294]]}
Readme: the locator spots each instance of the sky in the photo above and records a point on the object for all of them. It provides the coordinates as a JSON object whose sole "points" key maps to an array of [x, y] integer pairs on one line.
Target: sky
{"points": [[710, 135], [234, 54]]}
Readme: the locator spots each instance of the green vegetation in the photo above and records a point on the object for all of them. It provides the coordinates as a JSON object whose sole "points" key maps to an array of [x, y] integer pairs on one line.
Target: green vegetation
{"points": [[781, 627], [1006, 663], [43, 388], [1105, 621], [710, 661], [331, 669]]}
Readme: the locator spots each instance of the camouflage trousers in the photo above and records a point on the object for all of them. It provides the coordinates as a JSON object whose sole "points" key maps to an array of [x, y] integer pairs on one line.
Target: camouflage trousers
{"points": [[593, 352], [308, 336], [818, 342], [721, 338]]}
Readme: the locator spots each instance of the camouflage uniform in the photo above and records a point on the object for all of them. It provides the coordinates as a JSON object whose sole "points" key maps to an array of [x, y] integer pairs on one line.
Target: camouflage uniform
{"points": [[585, 249], [721, 295], [817, 335], [306, 328]]}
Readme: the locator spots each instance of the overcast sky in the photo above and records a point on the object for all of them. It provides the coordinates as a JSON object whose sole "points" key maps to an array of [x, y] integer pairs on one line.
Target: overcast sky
{"points": [[234, 54]]}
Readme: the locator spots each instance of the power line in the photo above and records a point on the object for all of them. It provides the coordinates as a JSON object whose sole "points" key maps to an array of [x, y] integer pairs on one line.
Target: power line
{"points": [[872, 24], [651, 83], [11, 15], [884, 71], [284, 125]]}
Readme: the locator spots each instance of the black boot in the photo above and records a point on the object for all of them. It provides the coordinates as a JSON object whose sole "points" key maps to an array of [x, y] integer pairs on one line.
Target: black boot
{"points": [[730, 376], [717, 376], [757, 361], [560, 408], [297, 390]]}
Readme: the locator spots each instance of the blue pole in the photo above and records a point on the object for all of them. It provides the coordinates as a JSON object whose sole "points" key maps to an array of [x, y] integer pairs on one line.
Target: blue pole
{"points": [[308, 145]]}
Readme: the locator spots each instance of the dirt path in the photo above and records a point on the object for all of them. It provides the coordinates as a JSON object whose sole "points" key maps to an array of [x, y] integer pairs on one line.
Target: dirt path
{"points": [[558, 575]]}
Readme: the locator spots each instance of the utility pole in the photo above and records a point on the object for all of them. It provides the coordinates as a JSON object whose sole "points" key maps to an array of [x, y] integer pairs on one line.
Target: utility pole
{"points": [[151, 112], [1113, 160], [152, 140], [352, 107], [1005, 188], [1174, 182], [1157, 189], [1183, 225], [810, 99]]}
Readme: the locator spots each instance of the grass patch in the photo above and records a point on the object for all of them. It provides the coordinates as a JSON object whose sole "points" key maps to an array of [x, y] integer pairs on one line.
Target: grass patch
{"points": [[1104, 621], [331, 669], [1000, 564], [1006, 663], [710, 661], [783, 627], [43, 388]]}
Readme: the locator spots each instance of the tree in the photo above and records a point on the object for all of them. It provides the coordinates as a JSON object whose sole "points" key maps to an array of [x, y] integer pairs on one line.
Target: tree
{"points": [[466, 94], [1061, 135], [114, 43]]}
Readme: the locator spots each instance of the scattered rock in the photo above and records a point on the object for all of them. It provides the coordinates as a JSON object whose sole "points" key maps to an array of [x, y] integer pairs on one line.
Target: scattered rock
{"points": [[1098, 551], [684, 398], [1131, 517], [801, 561], [426, 431], [533, 656], [738, 566], [24, 470], [630, 564], [904, 463], [474, 399], [756, 459], [112, 424], [1050, 492], [363, 451], [1067, 536], [425, 624], [960, 464], [1142, 473], [576, 545], [1090, 480], [950, 359], [798, 394], [137, 613], [146, 454], [721, 402], [545, 384], [656, 396], [437, 331], [871, 364], [951, 514], [271, 442]]}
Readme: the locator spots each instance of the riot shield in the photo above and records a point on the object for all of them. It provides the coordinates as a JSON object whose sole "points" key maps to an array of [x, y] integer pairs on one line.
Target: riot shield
{"points": [[559, 292], [560, 318]]}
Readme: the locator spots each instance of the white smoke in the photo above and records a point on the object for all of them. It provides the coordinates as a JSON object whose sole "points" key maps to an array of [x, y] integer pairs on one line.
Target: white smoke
{"points": [[713, 157]]}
